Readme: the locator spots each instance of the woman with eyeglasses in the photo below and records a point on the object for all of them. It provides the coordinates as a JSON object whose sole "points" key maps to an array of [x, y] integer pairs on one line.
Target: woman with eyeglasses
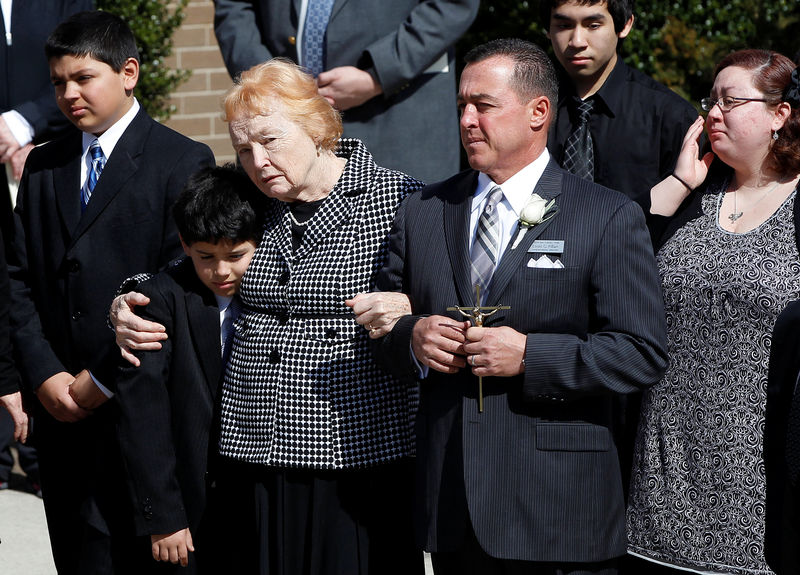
{"points": [[730, 263]]}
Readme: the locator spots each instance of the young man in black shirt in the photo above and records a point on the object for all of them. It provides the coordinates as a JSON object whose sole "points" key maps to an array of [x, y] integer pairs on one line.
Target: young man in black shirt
{"points": [[635, 125]]}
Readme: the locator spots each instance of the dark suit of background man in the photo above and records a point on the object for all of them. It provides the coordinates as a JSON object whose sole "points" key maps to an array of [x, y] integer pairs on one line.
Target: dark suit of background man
{"points": [[782, 445], [389, 67], [534, 480]]}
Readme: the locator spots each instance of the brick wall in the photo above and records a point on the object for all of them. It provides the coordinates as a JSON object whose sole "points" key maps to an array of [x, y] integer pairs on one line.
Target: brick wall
{"points": [[197, 101]]}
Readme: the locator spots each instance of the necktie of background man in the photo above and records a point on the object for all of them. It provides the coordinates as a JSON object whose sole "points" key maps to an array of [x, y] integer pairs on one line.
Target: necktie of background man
{"points": [[578, 149]]}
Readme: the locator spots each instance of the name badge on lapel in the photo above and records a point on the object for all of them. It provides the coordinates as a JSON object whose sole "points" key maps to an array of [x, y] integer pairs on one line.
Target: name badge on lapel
{"points": [[546, 254], [547, 247]]}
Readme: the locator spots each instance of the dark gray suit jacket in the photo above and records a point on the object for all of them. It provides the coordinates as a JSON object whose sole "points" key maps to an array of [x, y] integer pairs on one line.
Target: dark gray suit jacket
{"points": [[537, 472], [413, 126]]}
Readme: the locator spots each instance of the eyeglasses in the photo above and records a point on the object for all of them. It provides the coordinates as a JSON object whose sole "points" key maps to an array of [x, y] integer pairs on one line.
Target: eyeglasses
{"points": [[726, 103]]}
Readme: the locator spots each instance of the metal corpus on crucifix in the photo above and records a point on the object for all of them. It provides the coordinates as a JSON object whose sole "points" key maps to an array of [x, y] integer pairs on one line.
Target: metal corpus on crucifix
{"points": [[477, 313]]}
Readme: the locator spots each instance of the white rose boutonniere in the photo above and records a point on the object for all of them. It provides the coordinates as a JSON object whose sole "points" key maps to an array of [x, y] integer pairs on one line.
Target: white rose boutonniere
{"points": [[535, 212]]}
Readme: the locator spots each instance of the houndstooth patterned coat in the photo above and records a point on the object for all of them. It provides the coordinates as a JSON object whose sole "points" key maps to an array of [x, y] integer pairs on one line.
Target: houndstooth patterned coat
{"points": [[301, 388]]}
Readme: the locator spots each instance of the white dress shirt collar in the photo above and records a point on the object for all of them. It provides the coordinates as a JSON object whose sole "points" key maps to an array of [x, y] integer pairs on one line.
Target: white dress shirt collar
{"points": [[108, 139], [516, 191]]}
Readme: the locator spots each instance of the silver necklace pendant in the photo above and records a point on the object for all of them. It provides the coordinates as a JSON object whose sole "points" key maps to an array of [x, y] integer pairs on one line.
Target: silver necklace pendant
{"points": [[735, 216]]}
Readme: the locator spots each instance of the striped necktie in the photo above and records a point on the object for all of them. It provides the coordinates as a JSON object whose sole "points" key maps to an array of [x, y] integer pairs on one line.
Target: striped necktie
{"points": [[486, 247], [317, 15], [95, 169]]}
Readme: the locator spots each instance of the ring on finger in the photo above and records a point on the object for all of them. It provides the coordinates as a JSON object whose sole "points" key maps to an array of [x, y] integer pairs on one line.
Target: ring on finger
{"points": [[369, 327], [473, 361]]}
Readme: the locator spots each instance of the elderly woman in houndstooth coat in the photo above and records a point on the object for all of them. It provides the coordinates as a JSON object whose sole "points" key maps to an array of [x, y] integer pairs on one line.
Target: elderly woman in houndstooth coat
{"points": [[314, 439]]}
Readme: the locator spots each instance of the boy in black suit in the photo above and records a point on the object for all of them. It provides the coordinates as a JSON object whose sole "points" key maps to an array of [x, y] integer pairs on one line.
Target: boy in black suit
{"points": [[167, 402], [92, 210]]}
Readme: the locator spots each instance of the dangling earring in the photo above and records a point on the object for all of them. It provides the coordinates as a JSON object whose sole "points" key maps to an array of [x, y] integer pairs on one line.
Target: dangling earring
{"points": [[775, 135]]}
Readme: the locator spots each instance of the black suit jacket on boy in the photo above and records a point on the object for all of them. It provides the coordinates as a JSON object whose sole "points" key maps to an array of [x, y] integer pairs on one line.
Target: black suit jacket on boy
{"points": [[70, 264], [68, 267], [537, 473], [167, 403]]}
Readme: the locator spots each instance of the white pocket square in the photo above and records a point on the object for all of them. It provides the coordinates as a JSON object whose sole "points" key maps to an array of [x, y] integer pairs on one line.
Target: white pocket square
{"points": [[545, 262]]}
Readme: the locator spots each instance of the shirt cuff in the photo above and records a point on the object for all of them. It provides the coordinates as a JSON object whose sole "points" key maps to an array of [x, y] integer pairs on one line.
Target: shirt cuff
{"points": [[19, 127], [422, 370], [107, 392]]}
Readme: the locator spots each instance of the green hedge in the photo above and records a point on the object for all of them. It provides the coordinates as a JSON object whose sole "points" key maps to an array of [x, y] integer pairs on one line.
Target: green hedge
{"points": [[678, 42], [153, 24]]}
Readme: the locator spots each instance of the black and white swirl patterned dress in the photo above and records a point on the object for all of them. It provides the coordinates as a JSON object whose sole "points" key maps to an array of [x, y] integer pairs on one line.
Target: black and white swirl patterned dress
{"points": [[698, 488]]}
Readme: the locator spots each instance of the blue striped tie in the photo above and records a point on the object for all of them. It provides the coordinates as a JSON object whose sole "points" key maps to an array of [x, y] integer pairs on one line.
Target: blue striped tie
{"points": [[317, 15], [486, 247], [95, 169]]}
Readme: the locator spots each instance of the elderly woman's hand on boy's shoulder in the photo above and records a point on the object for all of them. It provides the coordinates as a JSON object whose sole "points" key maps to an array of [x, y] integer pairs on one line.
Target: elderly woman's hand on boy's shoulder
{"points": [[133, 332]]}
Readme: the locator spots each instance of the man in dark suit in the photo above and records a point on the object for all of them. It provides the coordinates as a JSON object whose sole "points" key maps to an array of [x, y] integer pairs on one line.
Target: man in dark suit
{"points": [[92, 210], [388, 66], [533, 480]]}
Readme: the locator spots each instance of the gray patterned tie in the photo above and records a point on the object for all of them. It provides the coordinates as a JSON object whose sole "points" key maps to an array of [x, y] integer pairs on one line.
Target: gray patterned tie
{"points": [[578, 149], [317, 15], [486, 247]]}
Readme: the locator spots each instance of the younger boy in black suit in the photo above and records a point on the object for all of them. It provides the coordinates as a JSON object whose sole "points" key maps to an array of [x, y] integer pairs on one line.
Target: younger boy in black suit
{"points": [[167, 402], [92, 210]]}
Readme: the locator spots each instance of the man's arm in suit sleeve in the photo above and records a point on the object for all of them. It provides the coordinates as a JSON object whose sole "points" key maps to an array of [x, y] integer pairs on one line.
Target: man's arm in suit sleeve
{"points": [[393, 351], [627, 351], [145, 429], [437, 341], [9, 380], [428, 31], [41, 370], [238, 35]]}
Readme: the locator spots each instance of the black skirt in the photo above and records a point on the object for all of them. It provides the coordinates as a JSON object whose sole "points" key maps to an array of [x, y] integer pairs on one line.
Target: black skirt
{"points": [[305, 522]]}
